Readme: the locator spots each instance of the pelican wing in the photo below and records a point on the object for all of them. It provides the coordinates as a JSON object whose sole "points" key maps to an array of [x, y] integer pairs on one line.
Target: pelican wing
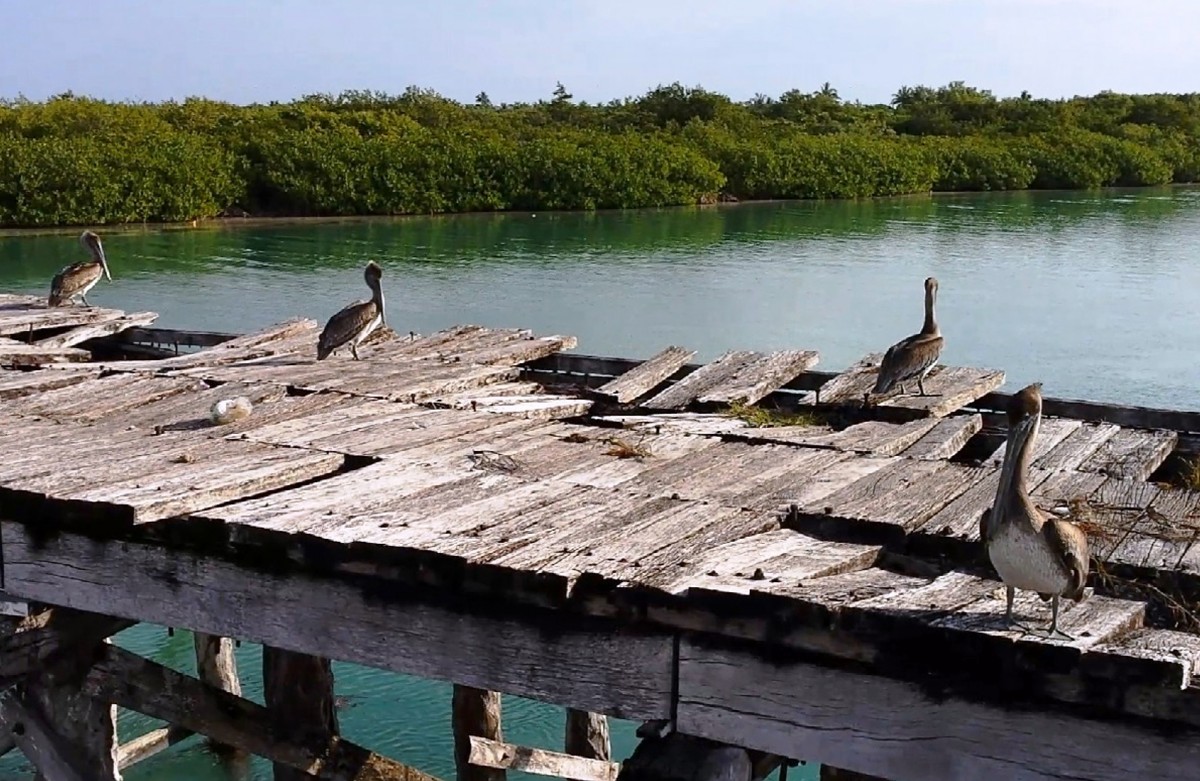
{"points": [[1070, 546], [907, 359], [345, 325], [72, 279]]}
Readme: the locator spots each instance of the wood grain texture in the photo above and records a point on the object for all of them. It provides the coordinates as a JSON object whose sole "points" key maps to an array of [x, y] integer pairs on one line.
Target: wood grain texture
{"points": [[646, 376], [946, 438], [476, 714], [896, 499], [874, 437], [754, 381], [1051, 432], [53, 755], [894, 730], [1131, 453], [88, 724], [14, 384], [15, 354], [586, 735], [298, 693], [108, 327], [724, 369], [625, 675], [1076, 447], [949, 387], [506, 756]]}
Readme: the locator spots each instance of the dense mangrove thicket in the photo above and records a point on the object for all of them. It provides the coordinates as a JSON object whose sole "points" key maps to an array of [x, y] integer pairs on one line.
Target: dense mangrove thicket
{"points": [[74, 160]]}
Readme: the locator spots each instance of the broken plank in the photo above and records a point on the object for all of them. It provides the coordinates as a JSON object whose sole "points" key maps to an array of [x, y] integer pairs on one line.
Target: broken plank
{"points": [[1131, 453], [506, 756], [34, 317], [948, 387], [757, 379], [93, 330], [646, 376], [711, 375], [946, 438], [19, 354]]}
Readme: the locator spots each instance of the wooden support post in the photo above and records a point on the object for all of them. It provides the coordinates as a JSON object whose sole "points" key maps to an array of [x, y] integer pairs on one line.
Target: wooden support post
{"points": [[298, 690], [217, 666], [89, 725], [52, 754], [587, 735], [475, 713]]}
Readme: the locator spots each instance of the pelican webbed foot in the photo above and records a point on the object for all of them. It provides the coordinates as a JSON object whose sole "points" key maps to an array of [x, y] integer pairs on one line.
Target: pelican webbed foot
{"points": [[354, 351], [1054, 631]]}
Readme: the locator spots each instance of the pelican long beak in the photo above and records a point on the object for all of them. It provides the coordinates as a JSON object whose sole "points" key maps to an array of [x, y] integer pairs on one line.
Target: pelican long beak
{"points": [[103, 260], [1018, 437]]}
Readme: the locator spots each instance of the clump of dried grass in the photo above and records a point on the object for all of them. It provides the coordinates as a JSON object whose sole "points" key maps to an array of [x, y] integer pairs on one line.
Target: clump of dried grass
{"points": [[761, 417]]}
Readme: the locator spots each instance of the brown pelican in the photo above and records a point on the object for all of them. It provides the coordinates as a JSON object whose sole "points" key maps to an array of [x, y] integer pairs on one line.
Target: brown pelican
{"points": [[912, 358], [356, 322], [77, 279], [1029, 550]]}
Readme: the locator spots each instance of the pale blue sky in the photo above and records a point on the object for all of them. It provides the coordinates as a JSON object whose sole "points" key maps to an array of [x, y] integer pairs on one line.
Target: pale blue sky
{"points": [[258, 50]]}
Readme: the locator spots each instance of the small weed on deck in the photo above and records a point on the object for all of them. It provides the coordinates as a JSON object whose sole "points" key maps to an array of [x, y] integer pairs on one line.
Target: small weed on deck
{"points": [[760, 417], [1189, 475]]}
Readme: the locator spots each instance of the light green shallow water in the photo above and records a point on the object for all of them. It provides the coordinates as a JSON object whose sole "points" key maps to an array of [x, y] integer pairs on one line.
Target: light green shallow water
{"points": [[1096, 295]]}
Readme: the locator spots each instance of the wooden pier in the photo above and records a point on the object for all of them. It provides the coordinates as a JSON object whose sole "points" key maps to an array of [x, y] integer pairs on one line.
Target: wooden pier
{"points": [[742, 555]]}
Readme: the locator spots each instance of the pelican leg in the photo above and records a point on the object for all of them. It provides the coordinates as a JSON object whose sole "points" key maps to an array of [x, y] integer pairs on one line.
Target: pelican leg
{"points": [[921, 388], [84, 297], [1054, 630], [354, 350], [1012, 623]]}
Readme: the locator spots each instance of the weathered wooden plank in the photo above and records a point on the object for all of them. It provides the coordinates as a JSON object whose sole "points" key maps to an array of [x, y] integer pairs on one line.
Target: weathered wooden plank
{"points": [[1051, 432], [147, 745], [874, 436], [646, 376], [119, 676], [709, 376], [298, 693], [98, 398], [215, 473], [34, 316], [93, 330], [14, 384], [946, 438], [19, 354], [757, 379], [518, 352], [949, 388], [539, 761], [698, 423], [1093, 621], [887, 503], [88, 724], [581, 664], [960, 518], [1172, 659], [780, 555], [1076, 447], [1131, 453], [895, 730], [923, 605]]}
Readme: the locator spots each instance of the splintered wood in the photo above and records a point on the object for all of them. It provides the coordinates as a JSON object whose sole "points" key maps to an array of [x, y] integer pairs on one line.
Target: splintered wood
{"points": [[948, 387], [34, 334]]}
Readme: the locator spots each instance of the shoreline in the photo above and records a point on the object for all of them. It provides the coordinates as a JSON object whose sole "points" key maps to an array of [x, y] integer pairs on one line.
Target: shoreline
{"points": [[234, 223]]}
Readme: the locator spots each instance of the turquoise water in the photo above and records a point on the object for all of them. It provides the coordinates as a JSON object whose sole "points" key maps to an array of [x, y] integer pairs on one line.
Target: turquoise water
{"points": [[1096, 294]]}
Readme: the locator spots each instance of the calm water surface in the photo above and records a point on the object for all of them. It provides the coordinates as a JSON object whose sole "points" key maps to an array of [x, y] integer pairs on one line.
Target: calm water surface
{"points": [[1096, 295]]}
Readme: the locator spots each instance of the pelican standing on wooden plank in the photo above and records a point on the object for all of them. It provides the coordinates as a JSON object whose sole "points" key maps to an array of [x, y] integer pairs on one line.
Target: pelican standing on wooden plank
{"points": [[357, 321], [77, 279], [1029, 550], [914, 357]]}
